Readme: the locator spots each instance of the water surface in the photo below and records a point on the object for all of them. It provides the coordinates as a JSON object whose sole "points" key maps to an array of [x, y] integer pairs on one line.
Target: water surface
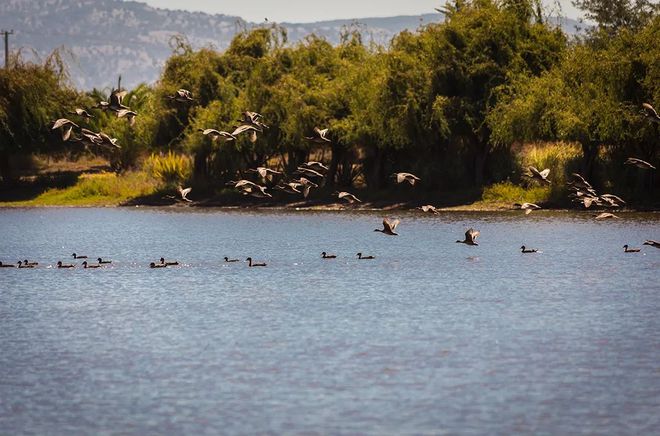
{"points": [[431, 337]]}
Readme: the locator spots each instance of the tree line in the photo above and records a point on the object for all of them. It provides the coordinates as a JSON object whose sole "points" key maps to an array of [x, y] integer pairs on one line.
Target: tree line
{"points": [[451, 102]]}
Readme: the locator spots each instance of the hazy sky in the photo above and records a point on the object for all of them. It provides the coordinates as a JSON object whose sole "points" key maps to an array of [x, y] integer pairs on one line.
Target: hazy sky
{"points": [[315, 10]]}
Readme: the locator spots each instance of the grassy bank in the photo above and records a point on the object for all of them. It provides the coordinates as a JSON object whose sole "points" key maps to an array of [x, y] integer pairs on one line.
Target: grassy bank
{"points": [[102, 189]]}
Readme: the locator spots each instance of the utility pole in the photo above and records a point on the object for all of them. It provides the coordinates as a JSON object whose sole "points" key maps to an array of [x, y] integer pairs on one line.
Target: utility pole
{"points": [[119, 83], [6, 34]]}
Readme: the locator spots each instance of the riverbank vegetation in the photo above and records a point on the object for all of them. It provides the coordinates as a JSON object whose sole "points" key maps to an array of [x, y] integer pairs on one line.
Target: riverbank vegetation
{"points": [[466, 104]]}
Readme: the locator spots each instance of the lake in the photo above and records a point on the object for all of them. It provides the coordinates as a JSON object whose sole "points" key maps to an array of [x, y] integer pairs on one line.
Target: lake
{"points": [[431, 337]]}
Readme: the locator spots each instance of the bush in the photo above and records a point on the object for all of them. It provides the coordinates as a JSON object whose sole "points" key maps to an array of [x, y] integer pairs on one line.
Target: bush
{"points": [[171, 169]]}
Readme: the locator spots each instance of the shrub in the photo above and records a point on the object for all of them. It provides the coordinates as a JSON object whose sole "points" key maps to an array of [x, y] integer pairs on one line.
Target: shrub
{"points": [[170, 169]]}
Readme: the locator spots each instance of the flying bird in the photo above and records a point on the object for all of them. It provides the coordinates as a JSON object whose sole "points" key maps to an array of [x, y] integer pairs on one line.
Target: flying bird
{"points": [[405, 177], [318, 136], [470, 237], [182, 96], [541, 176], [81, 112], [348, 197], [389, 227], [184, 193], [527, 207], [217, 134]]}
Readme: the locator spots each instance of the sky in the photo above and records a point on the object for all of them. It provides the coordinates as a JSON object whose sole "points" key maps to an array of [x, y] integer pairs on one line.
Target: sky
{"points": [[303, 11]]}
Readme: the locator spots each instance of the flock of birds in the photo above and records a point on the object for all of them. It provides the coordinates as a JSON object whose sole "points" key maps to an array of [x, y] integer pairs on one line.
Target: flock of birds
{"points": [[389, 228], [312, 174]]}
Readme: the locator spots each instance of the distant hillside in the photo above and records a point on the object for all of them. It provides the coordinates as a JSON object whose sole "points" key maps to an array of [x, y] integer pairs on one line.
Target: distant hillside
{"points": [[111, 37]]}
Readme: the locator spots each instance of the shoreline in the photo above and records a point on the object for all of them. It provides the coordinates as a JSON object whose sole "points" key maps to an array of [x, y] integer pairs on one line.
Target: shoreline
{"points": [[318, 207]]}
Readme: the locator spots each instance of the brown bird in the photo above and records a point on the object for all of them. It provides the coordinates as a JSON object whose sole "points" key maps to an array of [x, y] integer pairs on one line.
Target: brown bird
{"points": [[182, 96], [218, 134], [318, 136], [652, 243], [168, 263], [470, 237], [184, 193], [630, 250], [605, 215], [86, 265], [429, 208], [541, 176], [128, 114], [251, 132], [389, 227], [348, 197], [23, 265], [62, 265], [527, 207], [250, 264], [4, 265], [405, 177], [157, 265]]}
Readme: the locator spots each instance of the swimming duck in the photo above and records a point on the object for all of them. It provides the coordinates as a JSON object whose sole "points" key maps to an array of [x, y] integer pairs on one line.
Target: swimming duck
{"points": [[62, 265], [389, 227], [25, 262], [249, 259], [652, 243], [86, 265], [4, 265], [630, 250], [23, 265], [103, 262], [325, 255], [75, 256], [156, 265], [528, 250], [361, 257], [230, 260], [162, 262], [470, 237]]}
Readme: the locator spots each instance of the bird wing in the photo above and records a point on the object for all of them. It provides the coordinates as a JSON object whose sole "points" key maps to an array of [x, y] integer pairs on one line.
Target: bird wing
{"points": [[400, 177], [63, 122], [650, 108], [545, 173], [390, 225], [471, 235], [66, 133], [242, 128], [210, 132], [534, 171]]}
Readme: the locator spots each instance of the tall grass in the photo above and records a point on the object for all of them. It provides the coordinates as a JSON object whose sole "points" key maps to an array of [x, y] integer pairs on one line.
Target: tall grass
{"points": [[171, 169], [561, 158]]}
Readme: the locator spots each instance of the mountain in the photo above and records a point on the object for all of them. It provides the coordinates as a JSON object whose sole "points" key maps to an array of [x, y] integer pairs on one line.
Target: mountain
{"points": [[105, 38]]}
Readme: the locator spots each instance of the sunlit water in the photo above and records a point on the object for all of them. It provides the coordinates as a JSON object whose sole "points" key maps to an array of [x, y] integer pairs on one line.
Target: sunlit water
{"points": [[432, 337]]}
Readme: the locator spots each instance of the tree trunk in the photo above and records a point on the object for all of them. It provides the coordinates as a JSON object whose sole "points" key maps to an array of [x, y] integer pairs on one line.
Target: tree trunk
{"points": [[5, 168], [200, 164]]}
